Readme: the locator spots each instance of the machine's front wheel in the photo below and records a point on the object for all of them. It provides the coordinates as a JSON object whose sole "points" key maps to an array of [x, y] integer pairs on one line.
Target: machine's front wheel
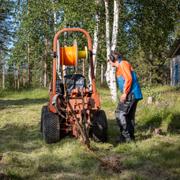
{"points": [[99, 126], [50, 126]]}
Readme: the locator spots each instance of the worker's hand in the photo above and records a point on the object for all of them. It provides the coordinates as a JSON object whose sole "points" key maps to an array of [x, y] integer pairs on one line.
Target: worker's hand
{"points": [[112, 63], [123, 97]]}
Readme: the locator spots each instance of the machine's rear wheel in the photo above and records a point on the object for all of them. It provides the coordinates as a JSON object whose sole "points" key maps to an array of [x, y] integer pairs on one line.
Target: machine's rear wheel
{"points": [[42, 117], [99, 127], [50, 126]]}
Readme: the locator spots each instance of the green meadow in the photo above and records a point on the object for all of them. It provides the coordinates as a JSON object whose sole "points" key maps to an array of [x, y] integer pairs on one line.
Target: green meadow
{"points": [[154, 155]]}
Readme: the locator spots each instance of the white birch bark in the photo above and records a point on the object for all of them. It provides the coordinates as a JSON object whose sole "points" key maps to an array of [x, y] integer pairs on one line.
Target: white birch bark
{"points": [[110, 72], [115, 25], [113, 46], [106, 3], [95, 42], [54, 16]]}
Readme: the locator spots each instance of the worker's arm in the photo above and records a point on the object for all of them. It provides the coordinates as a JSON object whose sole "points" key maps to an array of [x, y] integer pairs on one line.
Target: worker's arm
{"points": [[126, 73]]}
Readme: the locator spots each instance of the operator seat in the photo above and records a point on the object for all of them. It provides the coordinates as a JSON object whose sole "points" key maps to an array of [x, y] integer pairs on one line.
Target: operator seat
{"points": [[73, 81]]}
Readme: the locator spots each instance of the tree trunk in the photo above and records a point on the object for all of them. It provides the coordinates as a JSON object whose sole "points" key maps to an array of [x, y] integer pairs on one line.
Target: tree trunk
{"points": [[115, 25], [29, 70], [45, 73], [110, 72], [28, 53], [24, 77], [113, 46], [108, 46], [102, 74], [14, 74], [18, 78], [45, 63], [54, 16], [95, 39], [3, 76], [95, 42]]}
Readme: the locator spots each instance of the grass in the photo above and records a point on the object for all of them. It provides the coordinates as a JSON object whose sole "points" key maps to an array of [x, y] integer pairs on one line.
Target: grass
{"points": [[23, 154]]}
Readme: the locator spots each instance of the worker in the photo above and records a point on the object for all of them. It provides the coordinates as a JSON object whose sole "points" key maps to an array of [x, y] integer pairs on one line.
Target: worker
{"points": [[131, 93]]}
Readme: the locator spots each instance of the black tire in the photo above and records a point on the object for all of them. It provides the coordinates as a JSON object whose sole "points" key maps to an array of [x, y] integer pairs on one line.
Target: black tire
{"points": [[50, 126], [99, 126], [44, 108]]}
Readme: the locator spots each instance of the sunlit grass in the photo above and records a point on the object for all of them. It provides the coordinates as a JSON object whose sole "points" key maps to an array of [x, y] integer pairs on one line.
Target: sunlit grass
{"points": [[24, 94], [26, 156]]}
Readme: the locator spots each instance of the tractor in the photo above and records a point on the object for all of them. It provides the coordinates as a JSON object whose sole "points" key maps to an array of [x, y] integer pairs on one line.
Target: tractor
{"points": [[74, 103]]}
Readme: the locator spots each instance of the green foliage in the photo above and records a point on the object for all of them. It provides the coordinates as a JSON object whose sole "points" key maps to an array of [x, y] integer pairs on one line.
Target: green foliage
{"points": [[146, 31], [6, 8], [38, 22], [152, 24], [33, 37]]}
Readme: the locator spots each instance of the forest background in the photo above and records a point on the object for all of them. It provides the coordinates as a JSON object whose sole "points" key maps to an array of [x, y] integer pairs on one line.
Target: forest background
{"points": [[144, 33]]}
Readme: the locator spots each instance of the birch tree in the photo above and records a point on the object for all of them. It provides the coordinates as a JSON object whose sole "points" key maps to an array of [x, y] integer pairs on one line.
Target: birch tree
{"points": [[95, 47], [95, 40], [95, 37], [111, 45]]}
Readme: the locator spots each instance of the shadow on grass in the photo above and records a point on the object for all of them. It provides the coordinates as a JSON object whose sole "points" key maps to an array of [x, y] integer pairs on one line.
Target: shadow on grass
{"points": [[65, 158], [150, 123], [167, 123], [174, 125], [24, 138], [114, 132], [145, 129], [154, 161], [171, 119], [18, 102], [172, 90]]}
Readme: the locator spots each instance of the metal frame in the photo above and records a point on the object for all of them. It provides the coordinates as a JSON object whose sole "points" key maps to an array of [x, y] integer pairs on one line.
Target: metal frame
{"points": [[95, 95]]}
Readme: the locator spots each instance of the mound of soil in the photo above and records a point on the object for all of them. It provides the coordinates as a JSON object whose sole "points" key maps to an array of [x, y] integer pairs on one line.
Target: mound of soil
{"points": [[112, 163]]}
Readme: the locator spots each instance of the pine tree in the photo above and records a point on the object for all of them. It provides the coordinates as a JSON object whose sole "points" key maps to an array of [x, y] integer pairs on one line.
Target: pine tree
{"points": [[6, 30]]}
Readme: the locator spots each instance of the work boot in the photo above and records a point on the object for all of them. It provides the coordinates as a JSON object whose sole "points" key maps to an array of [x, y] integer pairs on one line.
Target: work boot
{"points": [[132, 137], [120, 139], [126, 136]]}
